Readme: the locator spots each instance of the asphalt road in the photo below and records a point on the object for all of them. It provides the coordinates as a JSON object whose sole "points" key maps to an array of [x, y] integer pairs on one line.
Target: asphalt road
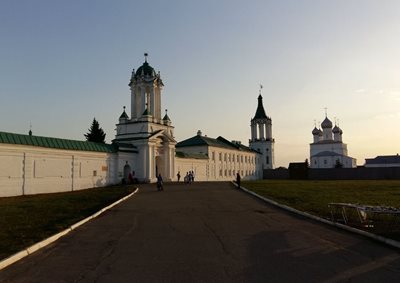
{"points": [[205, 232]]}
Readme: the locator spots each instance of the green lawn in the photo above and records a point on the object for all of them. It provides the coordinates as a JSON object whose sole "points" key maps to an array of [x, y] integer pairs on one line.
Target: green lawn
{"points": [[26, 220], [314, 196]]}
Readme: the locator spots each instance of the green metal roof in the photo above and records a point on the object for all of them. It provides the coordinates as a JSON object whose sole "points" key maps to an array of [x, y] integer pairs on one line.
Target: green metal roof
{"points": [[11, 138], [236, 145], [191, 155], [218, 142], [145, 69], [124, 115], [201, 140], [166, 118]]}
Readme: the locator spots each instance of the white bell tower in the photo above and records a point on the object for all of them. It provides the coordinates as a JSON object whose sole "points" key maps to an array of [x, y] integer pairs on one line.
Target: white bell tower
{"points": [[261, 135], [146, 88], [151, 136]]}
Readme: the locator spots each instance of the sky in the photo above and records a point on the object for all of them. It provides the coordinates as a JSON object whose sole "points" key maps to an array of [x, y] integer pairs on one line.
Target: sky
{"points": [[62, 63]]}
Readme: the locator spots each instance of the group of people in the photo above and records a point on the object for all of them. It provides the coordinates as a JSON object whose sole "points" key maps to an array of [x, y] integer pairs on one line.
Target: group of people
{"points": [[188, 179]]}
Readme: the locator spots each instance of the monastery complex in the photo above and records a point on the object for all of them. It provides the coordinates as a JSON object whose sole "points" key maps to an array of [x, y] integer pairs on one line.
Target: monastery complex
{"points": [[144, 145]]}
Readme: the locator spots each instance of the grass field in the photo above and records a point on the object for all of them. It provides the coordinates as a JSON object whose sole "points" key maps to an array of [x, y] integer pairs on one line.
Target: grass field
{"points": [[26, 220], [314, 196]]}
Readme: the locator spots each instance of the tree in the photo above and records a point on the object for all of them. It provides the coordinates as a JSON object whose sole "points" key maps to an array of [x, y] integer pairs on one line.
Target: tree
{"points": [[95, 134], [338, 164]]}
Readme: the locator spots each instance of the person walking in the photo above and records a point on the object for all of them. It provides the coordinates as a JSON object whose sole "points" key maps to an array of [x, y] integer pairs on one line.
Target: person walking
{"points": [[178, 175], [238, 179], [160, 186]]}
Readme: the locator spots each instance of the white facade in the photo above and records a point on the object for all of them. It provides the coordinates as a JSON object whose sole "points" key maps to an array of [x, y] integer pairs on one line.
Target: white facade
{"points": [[26, 170], [328, 149], [220, 159]]}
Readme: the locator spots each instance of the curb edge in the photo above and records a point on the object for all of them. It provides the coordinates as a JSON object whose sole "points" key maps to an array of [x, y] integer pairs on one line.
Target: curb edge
{"points": [[375, 237], [35, 247]]}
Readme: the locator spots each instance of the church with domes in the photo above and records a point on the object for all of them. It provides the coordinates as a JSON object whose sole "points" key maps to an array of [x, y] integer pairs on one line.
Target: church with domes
{"points": [[328, 149]]}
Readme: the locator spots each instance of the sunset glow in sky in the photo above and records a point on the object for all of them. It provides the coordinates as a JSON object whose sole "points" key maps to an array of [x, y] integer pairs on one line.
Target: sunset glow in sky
{"points": [[65, 62]]}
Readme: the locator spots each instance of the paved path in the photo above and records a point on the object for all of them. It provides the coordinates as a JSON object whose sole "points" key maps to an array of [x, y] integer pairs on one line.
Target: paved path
{"points": [[206, 232]]}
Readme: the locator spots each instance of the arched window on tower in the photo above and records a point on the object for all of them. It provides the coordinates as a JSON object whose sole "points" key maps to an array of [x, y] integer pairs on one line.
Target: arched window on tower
{"points": [[267, 159]]}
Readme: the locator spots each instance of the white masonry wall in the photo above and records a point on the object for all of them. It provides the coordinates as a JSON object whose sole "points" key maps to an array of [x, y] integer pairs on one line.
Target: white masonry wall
{"points": [[223, 163], [26, 170], [198, 166]]}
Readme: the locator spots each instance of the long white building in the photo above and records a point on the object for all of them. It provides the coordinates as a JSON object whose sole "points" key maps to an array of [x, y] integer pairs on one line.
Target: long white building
{"points": [[144, 145]]}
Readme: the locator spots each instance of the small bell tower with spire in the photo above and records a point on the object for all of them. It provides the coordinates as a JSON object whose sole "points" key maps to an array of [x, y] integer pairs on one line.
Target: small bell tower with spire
{"points": [[261, 135]]}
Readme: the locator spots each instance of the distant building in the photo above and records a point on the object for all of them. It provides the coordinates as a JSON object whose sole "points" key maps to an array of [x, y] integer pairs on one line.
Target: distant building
{"points": [[328, 149], [383, 161]]}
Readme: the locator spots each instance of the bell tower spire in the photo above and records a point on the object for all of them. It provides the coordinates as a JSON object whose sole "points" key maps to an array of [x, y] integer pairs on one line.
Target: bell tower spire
{"points": [[261, 134]]}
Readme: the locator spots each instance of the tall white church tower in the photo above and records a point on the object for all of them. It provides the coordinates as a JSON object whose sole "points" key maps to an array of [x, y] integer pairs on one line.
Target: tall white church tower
{"points": [[261, 136], [150, 135]]}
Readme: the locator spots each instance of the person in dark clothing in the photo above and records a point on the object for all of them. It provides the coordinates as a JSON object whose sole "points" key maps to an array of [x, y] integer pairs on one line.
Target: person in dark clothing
{"points": [[238, 179], [160, 186]]}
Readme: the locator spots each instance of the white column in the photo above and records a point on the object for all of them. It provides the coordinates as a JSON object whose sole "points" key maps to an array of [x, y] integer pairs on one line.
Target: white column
{"points": [[146, 165], [153, 158], [152, 103], [261, 127], [143, 97], [158, 99], [133, 103], [269, 130], [171, 161], [138, 97], [252, 132], [156, 105]]}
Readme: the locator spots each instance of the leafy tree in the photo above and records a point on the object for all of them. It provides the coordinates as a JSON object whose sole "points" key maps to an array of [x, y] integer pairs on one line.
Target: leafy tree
{"points": [[95, 134]]}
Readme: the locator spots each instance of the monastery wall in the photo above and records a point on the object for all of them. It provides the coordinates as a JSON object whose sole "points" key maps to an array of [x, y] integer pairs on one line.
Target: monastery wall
{"points": [[26, 170]]}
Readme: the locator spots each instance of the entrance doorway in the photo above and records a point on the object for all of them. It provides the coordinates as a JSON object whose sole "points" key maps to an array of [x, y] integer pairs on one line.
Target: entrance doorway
{"points": [[160, 166], [127, 170]]}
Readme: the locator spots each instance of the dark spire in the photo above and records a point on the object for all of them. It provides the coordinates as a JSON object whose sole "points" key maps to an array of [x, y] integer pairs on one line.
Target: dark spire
{"points": [[260, 113], [166, 118], [124, 115]]}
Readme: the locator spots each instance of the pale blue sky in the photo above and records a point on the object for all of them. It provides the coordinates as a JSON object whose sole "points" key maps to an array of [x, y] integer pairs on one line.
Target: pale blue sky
{"points": [[65, 62]]}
